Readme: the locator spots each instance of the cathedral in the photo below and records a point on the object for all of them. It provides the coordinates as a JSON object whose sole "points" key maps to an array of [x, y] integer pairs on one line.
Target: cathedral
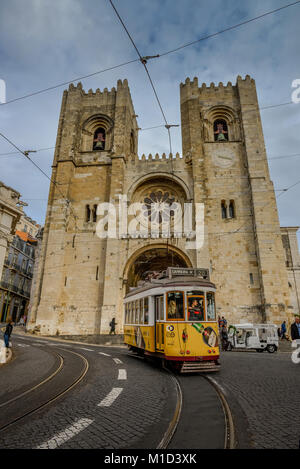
{"points": [[84, 273]]}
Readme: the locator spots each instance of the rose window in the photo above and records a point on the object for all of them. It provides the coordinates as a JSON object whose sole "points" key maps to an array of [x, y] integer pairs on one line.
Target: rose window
{"points": [[157, 206]]}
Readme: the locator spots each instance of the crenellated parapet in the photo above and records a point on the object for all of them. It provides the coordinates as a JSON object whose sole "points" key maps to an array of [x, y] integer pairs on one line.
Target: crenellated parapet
{"points": [[98, 97], [190, 89], [158, 158], [158, 162]]}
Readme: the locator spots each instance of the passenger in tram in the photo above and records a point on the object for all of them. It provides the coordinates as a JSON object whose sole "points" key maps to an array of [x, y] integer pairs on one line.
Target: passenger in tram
{"points": [[172, 309]]}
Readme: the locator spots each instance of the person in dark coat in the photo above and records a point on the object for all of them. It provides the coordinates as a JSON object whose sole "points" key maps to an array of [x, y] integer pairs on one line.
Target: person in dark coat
{"points": [[295, 329], [112, 325], [224, 338], [7, 333]]}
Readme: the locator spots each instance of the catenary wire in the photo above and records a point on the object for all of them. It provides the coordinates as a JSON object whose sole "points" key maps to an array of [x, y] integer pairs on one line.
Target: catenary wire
{"points": [[26, 154], [157, 56]]}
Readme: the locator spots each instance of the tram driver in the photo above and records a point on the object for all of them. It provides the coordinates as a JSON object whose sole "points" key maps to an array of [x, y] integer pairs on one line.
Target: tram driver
{"points": [[196, 310]]}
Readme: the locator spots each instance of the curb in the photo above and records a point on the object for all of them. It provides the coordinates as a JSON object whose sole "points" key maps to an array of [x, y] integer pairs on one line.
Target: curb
{"points": [[65, 341], [9, 356]]}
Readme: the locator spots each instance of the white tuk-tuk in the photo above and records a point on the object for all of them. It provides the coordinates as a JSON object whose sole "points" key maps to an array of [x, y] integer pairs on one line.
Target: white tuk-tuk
{"points": [[259, 337]]}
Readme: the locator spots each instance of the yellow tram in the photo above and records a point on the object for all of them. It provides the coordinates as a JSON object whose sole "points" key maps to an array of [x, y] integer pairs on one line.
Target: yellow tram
{"points": [[173, 317]]}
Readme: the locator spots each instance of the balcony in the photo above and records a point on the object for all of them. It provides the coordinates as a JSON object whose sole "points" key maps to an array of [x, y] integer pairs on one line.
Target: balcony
{"points": [[4, 285], [14, 289]]}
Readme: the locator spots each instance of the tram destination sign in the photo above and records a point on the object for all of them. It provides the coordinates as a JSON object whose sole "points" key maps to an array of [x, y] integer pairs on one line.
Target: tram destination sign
{"points": [[186, 272]]}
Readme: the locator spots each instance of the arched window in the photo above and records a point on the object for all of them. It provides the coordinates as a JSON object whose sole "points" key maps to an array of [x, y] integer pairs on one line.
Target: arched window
{"points": [[231, 209], [87, 213], [220, 130], [224, 209], [99, 139], [95, 213]]}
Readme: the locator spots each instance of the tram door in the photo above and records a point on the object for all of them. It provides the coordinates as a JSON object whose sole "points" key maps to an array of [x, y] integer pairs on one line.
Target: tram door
{"points": [[159, 326]]}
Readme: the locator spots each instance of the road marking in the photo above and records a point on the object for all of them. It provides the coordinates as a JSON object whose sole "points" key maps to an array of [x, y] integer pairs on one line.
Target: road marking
{"points": [[67, 434], [23, 345], [122, 374], [105, 354], [117, 361], [88, 349], [111, 397]]}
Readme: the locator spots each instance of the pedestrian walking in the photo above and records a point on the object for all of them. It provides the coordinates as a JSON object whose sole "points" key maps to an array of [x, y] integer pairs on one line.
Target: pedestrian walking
{"points": [[224, 321], [283, 331], [224, 338], [22, 322], [295, 329], [112, 326], [7, 333]]}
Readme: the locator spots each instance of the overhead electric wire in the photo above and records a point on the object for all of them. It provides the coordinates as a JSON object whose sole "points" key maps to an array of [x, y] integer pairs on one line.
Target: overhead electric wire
{"points": [[230, 28], [68, 82], [6, 155], [26, 154], [157, 56], [144, 61], [284, 191]]}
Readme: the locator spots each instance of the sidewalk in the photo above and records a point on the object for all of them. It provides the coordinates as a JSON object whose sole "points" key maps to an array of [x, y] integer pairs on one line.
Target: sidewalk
{"points": [[285, 346], [103, 340]]}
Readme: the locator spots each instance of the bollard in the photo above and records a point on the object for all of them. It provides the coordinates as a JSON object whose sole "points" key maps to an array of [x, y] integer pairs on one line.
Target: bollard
{"points": [[3, 354]]}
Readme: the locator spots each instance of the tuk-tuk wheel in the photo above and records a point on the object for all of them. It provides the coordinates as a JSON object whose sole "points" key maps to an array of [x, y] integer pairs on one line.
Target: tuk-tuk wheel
{"points": [[271, 348]]}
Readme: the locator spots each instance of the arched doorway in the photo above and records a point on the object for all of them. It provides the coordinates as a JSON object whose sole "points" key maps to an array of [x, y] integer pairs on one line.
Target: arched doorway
{"points": [[153, 258]]}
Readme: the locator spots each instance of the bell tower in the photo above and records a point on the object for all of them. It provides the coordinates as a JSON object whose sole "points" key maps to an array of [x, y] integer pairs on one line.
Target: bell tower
{"points": [[222, 139], [97, 136]]}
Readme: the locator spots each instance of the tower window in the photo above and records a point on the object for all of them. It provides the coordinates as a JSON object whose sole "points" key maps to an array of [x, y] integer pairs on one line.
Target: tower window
{"points": [[220, 131], [232, 209], [251, 279], [224, 209], [95, 213], [87, 213], [99, 139], [132, 144]]}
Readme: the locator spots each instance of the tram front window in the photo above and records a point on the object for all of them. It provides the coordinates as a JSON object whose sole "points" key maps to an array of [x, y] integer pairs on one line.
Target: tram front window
{"points": [[195, 308], [175, 306], [211, 310]]}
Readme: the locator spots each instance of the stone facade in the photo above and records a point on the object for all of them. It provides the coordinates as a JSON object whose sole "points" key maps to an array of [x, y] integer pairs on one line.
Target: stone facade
{"points": [[82, 278], [292, 259], [10, 214]]}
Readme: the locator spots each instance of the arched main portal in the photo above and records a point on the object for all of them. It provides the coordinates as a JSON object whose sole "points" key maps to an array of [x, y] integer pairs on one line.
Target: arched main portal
{"points": [[153, 258]]}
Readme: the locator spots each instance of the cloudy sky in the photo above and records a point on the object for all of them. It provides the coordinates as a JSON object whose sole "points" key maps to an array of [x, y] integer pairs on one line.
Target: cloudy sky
{"points": [[47, 42]]}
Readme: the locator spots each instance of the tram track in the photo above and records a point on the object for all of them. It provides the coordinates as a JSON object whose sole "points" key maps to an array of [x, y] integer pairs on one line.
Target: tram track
{"points": [[163, 444], [229, 433], [230, 440], [10, 409]]}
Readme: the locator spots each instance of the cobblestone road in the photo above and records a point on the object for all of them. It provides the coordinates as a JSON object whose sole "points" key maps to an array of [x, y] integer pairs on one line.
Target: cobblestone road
{"points": [[267, 388], [136, 416]]}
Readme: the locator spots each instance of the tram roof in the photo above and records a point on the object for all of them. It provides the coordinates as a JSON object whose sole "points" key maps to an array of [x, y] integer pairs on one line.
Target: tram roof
{"points": [[177, 282]]}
